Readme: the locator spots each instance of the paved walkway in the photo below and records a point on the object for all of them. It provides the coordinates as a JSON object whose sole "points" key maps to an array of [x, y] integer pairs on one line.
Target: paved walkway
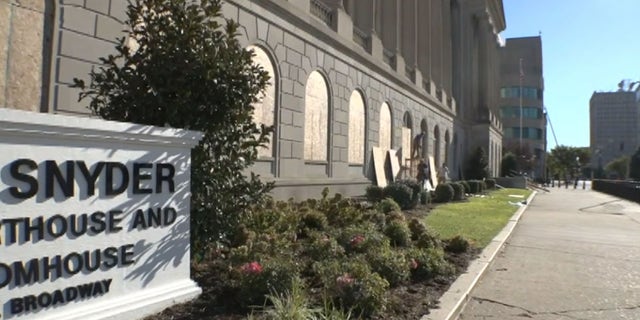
{"points": [[575, 254]]}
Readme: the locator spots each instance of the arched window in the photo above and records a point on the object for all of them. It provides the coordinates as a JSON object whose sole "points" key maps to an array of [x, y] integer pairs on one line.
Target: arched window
{"points": [[455, 152], [385, 127], [264, 109], [447, 145], [316, 117], [424, 132], [436, 146], [357, 120], [407, 124]]}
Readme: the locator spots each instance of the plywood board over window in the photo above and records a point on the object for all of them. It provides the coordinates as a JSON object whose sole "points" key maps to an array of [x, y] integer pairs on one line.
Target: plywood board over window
{"points": [[263, 110], [379, 160], [384, 141], [356, 128], [316, 118]]}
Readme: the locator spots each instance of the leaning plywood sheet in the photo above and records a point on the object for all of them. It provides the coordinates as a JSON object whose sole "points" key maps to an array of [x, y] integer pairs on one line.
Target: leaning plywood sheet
{"points": [[395, 164], [378, 166], [434, 172]]}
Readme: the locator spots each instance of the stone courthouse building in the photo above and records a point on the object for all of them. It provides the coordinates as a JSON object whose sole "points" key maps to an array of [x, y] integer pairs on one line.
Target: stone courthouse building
{"points": [[348, 77]]}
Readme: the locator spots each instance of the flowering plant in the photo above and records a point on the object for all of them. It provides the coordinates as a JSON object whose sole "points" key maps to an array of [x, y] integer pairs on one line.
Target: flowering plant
{"points": [[413, 264], [356, 240], [344, 280], [251, 268]]}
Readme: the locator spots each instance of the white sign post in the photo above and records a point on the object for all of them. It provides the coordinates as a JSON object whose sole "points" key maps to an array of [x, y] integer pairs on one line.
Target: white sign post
{"points": [[94, 217]]}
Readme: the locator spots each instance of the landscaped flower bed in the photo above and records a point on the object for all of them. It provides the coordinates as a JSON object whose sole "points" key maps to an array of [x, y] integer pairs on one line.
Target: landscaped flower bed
{"points": [[336, 258]]}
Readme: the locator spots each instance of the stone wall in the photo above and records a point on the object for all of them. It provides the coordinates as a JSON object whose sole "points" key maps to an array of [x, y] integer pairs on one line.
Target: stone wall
{"points": [[22, 39], [70, 35]]}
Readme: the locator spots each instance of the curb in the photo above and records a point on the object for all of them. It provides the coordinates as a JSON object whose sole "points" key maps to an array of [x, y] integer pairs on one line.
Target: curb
{"points": [[454, 300]]}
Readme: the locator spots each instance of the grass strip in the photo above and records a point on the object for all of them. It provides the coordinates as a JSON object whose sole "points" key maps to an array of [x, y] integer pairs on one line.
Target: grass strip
{"points": [[478, 220]]}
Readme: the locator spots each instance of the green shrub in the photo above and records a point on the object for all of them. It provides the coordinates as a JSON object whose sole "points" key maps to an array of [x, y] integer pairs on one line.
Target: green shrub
{"points": [[320, 246], [401, 194], [467, 187], [391, 264], [395, 216], [475, 186], [374, 193], [256, 280], [361, 238], [458, 191], [313, 220], [457, 244], [342, 212], [424, 197], [376, 217], [444, 193], [422, 235], [353, 286], [428, 263], [415, 187], [398, 233], [491, 183], [388, 205]]}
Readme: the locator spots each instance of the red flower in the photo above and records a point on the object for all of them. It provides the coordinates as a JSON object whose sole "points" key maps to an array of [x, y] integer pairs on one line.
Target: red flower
{"points": [[356, 240], [413, 264], [251, 268], [344, 280]]}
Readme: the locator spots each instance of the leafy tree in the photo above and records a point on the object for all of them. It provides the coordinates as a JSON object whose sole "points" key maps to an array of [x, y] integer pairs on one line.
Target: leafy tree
{"points": [[618, 167], [567, 160], [634, 166], [188, 70], [478, 164], [525, 160], [508, 165]]}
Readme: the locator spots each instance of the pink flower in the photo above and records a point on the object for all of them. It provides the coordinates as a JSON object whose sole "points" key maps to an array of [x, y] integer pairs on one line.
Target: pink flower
{"points": [[413, 264], [344, 280], [251, 268], [356, 240]]}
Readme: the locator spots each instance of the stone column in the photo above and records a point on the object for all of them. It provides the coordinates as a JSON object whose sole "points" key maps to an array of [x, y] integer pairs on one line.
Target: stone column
{"points": [[376, 43], [446, 49], [416, 45], [424, 45], [435, 65], [398, 49], [342, 22], [303, 5]]}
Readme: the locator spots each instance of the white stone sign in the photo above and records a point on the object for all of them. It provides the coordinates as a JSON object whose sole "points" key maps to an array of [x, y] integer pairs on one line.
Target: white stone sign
{"points": [[94, 217]]}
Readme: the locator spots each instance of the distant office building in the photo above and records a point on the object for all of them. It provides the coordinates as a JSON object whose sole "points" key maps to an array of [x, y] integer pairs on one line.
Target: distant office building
{"points": [[521, 100], [614, 122]]}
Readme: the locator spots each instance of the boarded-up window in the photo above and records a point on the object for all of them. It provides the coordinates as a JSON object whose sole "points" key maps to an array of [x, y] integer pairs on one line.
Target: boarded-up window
{"points": [[385, 127], [356, 128], [264, 109], [316, 116], [406, 138]]}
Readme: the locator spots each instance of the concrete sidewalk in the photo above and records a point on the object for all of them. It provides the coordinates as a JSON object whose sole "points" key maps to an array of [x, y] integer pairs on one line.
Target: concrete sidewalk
{"points": [[574, 254]]}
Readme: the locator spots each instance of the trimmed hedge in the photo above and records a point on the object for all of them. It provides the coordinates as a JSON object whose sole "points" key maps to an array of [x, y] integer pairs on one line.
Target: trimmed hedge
{"points": [[490, 183], [458, 191], [444, 193]]}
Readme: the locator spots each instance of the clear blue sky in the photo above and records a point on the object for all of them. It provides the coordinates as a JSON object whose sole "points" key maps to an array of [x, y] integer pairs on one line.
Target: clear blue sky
{"points": [[587, 46]]}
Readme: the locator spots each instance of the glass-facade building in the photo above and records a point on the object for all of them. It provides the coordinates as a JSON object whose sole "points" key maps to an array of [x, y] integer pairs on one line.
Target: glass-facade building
{"points": [[522, 103]]}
